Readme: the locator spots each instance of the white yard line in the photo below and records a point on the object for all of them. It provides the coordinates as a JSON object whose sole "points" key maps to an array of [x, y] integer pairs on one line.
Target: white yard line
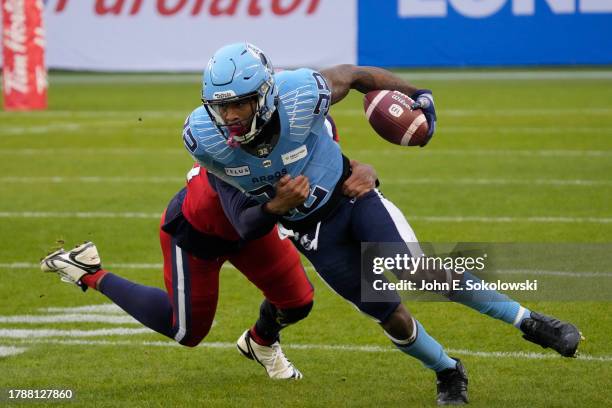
{"points": [[95, 215], [318, 347], [542, 153], [69, 318], [92, 179], [477, 112], [33, 333], [554, 273], [506, 131], [159, 266], [403, 181], [534, 220], [104, 308], [427, 218], [109, 151], [6, 351]]}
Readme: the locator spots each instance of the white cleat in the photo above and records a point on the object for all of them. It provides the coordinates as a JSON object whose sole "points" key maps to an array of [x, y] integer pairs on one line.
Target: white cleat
{"points": [[270, 357], [72, 265]]}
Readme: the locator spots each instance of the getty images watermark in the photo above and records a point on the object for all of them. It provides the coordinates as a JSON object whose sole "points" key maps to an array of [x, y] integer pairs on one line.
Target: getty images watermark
{"points": [[439, 271], [406, 264]]}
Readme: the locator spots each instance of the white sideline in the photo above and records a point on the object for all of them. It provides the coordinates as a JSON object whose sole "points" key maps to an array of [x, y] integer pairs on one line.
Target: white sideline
{"points": [[6, 351], [428, 218], [442, 181], [323, 347]]}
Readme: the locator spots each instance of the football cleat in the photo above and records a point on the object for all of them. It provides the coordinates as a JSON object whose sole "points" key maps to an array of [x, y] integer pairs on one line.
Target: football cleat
{"points": [[270, 357], [549, 332], [452, 385], [72, 265]]}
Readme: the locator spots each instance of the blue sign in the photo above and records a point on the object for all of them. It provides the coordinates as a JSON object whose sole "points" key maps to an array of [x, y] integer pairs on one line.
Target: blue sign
{"points": [[403, 33]]}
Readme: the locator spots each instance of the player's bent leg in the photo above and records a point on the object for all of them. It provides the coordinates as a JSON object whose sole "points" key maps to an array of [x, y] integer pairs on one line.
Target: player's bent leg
{"points": [[393, 227], [339, 265], [273, 265], [82, 266], [192, 286]]}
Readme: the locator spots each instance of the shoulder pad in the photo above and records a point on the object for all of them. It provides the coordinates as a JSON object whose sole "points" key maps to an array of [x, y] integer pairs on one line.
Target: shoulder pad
{"points": [[203, 139], [305, 97]]}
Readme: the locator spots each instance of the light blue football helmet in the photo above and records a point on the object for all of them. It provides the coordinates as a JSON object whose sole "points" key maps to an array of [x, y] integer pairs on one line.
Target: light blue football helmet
{"points": [[235, 73]]}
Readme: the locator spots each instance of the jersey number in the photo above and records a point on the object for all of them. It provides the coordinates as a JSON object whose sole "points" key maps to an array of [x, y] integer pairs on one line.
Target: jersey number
{"points": [[324, 94], [189, 140], [319, 193]]}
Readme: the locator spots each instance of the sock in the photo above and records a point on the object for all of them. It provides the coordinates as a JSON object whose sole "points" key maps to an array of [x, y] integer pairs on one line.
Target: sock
{"points": [[267, 328], [150, 306], [490, 302], [91, 280], [425, 348], [258, 339]]}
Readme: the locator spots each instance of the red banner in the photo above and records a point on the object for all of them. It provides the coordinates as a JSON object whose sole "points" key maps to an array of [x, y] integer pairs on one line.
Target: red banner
{"points": [[23, 49]]}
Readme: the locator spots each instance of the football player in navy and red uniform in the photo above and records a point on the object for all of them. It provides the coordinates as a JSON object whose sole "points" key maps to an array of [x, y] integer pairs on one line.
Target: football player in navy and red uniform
{"points": [[196, 240]]}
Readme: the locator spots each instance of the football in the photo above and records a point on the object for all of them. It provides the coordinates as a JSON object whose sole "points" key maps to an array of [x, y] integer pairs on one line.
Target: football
{"points": [[391, 116]]}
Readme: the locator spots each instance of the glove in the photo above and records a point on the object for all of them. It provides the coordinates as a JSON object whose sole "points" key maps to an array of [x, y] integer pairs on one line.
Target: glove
{"points": [[424, 101]]}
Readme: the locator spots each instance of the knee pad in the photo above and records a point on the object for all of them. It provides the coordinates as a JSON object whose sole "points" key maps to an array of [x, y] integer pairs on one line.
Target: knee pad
{"points": [[289, 316]]}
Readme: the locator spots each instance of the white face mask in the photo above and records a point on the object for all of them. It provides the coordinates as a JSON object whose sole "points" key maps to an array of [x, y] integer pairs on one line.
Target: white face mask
{"points": [[242, 132]]}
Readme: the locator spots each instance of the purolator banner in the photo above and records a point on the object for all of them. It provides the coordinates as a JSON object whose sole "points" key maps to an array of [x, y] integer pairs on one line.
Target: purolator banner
{"points": [[24, 77], [181, 35]]}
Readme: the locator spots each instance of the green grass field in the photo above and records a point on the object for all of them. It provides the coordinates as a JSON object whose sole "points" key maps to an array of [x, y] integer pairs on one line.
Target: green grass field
{"points": [[514, 160]]}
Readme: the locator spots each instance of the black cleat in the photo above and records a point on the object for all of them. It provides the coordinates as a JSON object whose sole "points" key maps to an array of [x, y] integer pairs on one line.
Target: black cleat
{"points": [[549, 332], [452, 385]]}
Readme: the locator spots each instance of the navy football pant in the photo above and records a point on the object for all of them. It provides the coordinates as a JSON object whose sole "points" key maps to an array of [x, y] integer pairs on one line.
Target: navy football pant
{"points": [[193, 283], [186, 311], [337, 257]]}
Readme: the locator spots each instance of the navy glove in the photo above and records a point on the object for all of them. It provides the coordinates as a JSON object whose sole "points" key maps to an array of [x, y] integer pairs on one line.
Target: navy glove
{"points": [[424, 101]]}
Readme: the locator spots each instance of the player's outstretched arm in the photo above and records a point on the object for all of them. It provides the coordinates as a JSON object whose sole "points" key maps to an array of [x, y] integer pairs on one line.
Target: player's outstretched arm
{"points": [[342, 78]]}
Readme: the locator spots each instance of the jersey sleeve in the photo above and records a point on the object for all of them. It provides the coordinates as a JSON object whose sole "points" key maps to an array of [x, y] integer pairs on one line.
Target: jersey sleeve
{"points": [[203, 140], [246, 215], [306, 99]]}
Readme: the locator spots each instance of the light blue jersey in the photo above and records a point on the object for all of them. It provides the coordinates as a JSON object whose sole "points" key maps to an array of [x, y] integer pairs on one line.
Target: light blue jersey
{"points": [[304, 146]]}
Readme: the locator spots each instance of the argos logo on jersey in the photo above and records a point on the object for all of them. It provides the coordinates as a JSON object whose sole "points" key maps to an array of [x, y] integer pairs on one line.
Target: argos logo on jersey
{"points": [[270, 177]]}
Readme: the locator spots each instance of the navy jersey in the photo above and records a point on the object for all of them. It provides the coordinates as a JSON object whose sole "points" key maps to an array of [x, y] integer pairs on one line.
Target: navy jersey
{"points": [[304, 146]]}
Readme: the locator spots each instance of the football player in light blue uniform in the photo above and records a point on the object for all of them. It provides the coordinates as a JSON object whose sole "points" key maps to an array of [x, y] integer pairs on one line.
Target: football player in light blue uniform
{"points": [[263, 136]]}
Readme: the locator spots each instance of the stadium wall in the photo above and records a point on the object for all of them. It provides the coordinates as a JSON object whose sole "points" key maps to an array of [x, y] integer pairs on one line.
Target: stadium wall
{"points": [[180, 35]]}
